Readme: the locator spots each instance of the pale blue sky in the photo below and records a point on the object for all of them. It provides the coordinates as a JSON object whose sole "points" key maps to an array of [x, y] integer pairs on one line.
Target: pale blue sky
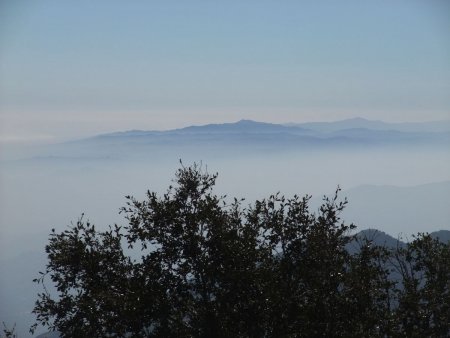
{"points": [[76, 68]]}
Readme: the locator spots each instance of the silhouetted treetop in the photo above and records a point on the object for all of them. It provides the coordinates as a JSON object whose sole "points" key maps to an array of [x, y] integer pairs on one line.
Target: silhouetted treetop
{"points": [[193, 264]]}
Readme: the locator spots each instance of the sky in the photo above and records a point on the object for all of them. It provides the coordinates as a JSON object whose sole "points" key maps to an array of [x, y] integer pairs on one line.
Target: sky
{"points": [[70, 69]]}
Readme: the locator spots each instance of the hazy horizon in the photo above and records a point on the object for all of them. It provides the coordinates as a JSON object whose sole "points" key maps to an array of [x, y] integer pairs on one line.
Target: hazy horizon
{"points": [[71, 70], [24, 142]]}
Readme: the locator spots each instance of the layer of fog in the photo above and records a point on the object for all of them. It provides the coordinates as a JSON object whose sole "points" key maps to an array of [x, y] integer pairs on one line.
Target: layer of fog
{"points": [[39, 194]]}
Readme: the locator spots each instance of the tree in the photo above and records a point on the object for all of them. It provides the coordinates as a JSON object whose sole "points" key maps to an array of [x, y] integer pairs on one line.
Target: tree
{"points": [[211, 268], [195, 254], [424, 292]]}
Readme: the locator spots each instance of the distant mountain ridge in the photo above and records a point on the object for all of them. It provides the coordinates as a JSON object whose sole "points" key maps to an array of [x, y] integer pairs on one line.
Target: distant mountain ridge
{"points": [[354, 132], [241, 126], [381, 238], [246, 125], [358, 122], [247, 137]]}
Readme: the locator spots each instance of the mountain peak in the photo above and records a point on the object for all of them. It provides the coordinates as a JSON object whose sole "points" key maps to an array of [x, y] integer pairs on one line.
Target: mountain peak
{"points": [[356, 119], [247, 122]]}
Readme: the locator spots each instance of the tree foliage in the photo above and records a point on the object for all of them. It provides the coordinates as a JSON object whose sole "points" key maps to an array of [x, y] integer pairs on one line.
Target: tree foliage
{"points": [[210, 268], [8, 332]]}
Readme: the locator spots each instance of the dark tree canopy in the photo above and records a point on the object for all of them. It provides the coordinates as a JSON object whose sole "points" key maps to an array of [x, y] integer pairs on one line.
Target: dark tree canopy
{"points": [[210, 268]]}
